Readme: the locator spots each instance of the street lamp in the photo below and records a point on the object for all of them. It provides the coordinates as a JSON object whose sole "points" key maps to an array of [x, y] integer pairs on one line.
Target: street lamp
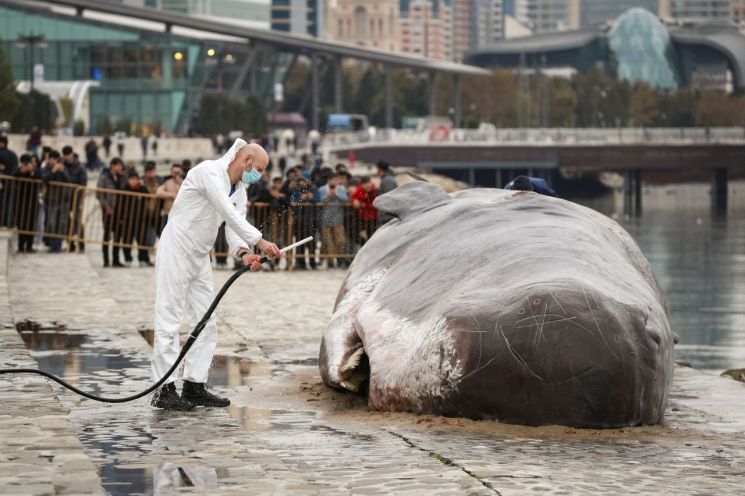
{"points": [[31, 40]]}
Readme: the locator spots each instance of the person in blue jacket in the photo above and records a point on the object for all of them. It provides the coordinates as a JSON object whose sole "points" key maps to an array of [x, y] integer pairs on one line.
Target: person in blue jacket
{"points": [[525, 183]]}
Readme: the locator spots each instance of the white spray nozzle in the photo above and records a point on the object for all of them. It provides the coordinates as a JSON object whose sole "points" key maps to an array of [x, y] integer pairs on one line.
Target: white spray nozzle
{"points": [[295, 245]]}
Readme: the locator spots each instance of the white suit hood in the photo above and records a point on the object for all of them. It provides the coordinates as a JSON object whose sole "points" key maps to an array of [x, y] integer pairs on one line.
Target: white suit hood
{"points": [[229, 156]]}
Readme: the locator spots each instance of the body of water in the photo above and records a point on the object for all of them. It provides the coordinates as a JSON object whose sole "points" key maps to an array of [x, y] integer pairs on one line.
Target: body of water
{"points": [[699, 259]]}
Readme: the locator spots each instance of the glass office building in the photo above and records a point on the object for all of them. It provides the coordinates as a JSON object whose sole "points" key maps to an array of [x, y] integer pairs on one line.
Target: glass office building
{"points": [[145, 77]]}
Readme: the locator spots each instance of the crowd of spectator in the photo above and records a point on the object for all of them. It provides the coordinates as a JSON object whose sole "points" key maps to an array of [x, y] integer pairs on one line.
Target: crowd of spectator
{"points": [[135, 208], [307, 199], [40, 201], [318, 199]]}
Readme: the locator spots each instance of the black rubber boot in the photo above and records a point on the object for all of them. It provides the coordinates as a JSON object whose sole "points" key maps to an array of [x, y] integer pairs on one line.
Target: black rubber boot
{"points": [[197, 394], [167, 398]]}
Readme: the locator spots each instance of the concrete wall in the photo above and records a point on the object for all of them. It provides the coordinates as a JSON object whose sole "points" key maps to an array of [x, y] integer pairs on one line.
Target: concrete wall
{"points": [[172, 149]]}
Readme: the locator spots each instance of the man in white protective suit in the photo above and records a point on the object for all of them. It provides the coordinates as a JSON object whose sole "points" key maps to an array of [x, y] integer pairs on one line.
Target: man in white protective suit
{"points": [[212, 192]]}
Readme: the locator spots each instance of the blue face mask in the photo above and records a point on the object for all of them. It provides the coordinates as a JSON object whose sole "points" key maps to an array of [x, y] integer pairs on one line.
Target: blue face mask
{"points": [[251, 177]]}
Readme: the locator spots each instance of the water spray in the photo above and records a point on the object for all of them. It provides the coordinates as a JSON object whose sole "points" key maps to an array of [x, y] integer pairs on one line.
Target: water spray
{"points": [[184, 350]]}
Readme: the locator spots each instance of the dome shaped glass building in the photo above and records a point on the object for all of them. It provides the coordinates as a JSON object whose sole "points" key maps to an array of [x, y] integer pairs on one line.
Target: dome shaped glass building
{"points": [[636, 46], [643, 49]]}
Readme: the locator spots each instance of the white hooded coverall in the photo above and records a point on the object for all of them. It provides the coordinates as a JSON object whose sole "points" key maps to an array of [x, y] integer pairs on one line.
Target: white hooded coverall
{"points": [[183, 273]]}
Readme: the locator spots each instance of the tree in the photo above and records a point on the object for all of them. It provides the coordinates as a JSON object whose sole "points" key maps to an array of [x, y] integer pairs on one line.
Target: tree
{"points": [[369, 86], [678, 108], [492, 98], [78, 128], [36, 110], [644, 107], [219, 115], [444, 102], [563, 100], [602, 100], [255, 117], [213, 118], [103, 125], [718, 109], [410, 97], [296, 87], [9, 101], [327, 75]]}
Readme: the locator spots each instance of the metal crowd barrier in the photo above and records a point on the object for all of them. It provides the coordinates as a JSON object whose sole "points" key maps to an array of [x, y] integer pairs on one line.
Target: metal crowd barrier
{"points": [[32, 207], [126, 220]]}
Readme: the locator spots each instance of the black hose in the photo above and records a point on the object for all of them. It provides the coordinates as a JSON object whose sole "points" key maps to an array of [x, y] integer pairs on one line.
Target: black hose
{"points": [[189, 342]]}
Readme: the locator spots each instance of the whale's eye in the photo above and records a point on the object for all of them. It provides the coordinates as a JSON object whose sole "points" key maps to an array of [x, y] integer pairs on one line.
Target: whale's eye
{"points": [[521, 311], [537, 301]]}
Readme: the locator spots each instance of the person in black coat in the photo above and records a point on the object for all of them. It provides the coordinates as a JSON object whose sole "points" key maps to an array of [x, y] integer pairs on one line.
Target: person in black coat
{"points": [[109, 181], [8, 167], [131, 216], [305, 223], [78, 175], [27, 203], [58, 198]]}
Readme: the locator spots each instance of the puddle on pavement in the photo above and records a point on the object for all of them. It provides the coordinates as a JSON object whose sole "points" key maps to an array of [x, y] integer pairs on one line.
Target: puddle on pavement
{"points": [[117, 437], [108, 433], [232, 371]]}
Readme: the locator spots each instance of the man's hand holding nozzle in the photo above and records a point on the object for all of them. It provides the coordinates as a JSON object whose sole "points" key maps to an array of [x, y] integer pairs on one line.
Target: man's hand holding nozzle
{"points": [[253, 261], [268, 248]]}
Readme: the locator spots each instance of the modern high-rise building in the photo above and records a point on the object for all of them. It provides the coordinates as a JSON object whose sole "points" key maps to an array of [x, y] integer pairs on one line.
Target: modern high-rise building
{"points": [[425, 28], [508, 7], [298, 16], [249, 13], [291, 16], [363, 22], [738, 11], [545, 16], [695, 10], [597, 11], [487, 25], [461, 28]]}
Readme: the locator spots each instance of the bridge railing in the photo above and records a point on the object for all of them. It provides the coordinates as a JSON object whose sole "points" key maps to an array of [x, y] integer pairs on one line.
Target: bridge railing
{"points": [[549, 136]]}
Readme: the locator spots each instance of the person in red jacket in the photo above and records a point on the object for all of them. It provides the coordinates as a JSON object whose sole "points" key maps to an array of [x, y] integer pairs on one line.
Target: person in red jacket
{"points": [[367, 215]]}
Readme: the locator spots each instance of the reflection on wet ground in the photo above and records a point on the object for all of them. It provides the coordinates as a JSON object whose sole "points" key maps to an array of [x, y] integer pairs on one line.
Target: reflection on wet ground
{"points": [[99, 370]]}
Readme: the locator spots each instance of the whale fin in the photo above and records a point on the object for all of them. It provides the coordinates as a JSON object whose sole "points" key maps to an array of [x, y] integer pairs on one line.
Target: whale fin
{"points": [[416, 196]]}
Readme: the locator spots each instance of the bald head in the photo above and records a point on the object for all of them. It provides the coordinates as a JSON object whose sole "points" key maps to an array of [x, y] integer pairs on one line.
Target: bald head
{"points": [[251, 156]]}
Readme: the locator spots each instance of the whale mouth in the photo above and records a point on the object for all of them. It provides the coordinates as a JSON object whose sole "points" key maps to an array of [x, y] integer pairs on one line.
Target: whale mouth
{"points": [[354, 375]]}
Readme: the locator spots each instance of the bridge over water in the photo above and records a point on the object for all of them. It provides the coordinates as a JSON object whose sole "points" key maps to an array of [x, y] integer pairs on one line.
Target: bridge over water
{"points": [[489, 158]]}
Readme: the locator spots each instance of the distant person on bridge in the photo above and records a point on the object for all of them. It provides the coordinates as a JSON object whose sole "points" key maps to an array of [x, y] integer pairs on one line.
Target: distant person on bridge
{"points": [[526, 183]]}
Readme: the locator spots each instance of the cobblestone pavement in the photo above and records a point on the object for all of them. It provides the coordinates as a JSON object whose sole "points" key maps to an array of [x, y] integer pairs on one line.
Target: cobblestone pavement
{"points": [[286, 432]]}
